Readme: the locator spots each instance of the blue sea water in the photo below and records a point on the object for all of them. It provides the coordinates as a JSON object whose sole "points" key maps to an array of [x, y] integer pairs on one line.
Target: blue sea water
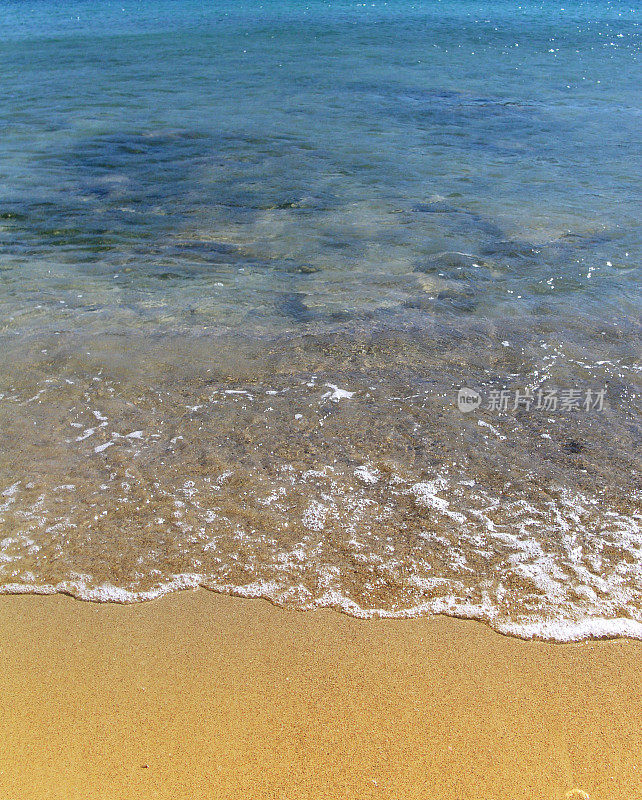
{"points": [[250, 252]]}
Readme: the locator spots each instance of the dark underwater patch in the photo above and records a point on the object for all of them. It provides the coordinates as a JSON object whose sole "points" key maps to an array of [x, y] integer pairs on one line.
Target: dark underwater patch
{"points": [[456, 266], [457, 218], [290, 304]]}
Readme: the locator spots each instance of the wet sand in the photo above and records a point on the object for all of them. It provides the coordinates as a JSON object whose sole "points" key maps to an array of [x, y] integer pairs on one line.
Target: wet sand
{"points": [[198, 695]]}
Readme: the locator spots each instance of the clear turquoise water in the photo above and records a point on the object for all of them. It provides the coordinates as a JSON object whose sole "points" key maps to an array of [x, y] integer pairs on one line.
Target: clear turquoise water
{"points": [[396, 198], [189, 140]]}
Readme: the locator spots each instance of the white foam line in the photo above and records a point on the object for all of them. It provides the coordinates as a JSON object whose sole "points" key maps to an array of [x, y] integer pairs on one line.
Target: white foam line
{"points": [[367, 475], [106, 593], [560, 630], [101, 447], [337, 394], [483, 424]]}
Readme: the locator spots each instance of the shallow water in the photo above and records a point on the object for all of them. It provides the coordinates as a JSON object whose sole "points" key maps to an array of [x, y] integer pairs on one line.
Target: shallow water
{"points": [[249, 253]]}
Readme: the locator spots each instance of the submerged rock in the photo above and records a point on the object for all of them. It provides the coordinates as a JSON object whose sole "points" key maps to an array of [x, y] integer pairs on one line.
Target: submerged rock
{"points": [[510, 248], [469, 219], [291, 305], [302, 269], [436, 206], [458, 266]]}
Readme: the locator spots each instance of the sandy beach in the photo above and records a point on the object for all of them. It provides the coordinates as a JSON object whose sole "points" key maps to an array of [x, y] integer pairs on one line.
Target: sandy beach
{"points": [[199, 695]]}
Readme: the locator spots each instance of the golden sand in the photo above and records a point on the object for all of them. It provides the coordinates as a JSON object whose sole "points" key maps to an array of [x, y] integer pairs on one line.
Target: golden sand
{"points": [[199, 695]]}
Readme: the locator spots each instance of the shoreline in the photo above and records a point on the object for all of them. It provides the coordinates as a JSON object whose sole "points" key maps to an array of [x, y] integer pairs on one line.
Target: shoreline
{"points": [[560, 631], [199, 694]]}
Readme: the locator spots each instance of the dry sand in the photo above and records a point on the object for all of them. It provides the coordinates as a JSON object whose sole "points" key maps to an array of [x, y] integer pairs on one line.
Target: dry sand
{"points": [[198, 695]]}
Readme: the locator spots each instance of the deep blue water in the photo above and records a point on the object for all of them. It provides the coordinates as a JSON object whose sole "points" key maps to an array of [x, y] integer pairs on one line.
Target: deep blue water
{"points": [[187, 140]]}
